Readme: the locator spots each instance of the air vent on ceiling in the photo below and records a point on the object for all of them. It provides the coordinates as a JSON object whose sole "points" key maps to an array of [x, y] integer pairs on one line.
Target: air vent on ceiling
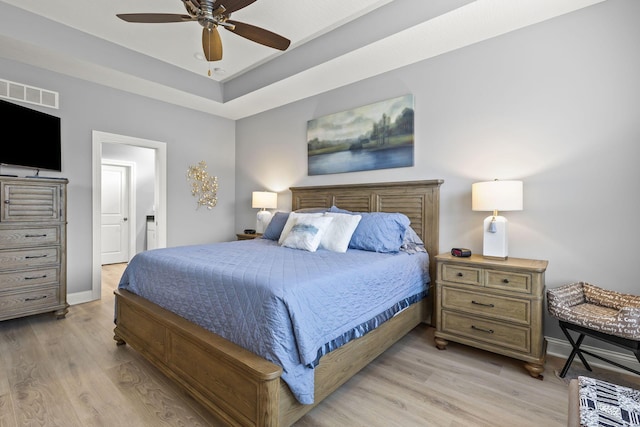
{"points": [[30, 94]]}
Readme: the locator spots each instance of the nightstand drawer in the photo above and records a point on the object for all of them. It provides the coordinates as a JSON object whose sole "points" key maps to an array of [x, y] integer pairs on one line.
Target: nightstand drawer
{"points": [[507, 336], [507, 280], [458, 274], [497, 307]]}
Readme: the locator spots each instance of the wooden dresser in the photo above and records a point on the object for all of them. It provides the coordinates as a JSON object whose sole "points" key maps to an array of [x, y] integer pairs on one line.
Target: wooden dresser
{"points": [[493, 305], [33, 247]]}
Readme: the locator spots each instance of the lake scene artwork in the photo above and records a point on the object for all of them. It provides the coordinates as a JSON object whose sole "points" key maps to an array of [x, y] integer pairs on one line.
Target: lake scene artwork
{"points": [[375, 136]]}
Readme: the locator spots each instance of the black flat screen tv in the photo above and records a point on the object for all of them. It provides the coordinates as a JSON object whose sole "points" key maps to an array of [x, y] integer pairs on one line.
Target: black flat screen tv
{"points": [[30, 138]]}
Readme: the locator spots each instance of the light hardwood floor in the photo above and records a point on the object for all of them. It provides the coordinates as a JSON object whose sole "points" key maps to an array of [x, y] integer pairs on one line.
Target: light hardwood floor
{"points": [[71, 373]]}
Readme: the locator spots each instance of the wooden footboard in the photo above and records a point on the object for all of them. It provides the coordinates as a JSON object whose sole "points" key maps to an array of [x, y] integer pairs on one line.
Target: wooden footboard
{"points": [[235, 384], [241, 388]]}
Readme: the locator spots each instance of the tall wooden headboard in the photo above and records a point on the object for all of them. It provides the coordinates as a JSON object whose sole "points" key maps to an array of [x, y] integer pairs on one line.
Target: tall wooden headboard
{"points": [[419, 200]]}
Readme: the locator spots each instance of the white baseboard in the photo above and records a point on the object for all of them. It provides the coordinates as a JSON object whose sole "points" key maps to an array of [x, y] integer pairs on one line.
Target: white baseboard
{"points": [[80, 297], [561, 348]]}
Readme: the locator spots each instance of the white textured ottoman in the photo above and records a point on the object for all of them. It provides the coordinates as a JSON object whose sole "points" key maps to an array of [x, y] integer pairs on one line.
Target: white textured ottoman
{"points": [[597, 403]]}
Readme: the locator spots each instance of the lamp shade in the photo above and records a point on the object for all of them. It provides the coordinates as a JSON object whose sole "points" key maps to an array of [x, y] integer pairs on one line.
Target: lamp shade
{"points": [[496, 196], [264, 200]]}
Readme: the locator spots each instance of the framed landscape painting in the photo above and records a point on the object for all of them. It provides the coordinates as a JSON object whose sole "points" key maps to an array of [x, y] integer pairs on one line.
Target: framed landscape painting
{"points": [[374, 136]]}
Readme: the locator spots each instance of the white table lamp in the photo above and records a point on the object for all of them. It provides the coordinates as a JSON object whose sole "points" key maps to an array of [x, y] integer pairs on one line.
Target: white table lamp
{"points": [[263, 200], [496, 196]]}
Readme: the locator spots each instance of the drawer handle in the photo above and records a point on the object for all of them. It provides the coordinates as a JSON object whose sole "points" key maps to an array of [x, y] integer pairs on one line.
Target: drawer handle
{"points": [[482, 304], [460, 274], [35, 235], [35, 298], [489, 331], [35, 256], [505, 280], [36, 277]]}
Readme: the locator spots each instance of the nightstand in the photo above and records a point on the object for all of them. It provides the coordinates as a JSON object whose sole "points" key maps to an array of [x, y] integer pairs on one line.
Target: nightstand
{"points": [[243, 236], [492, 305]]}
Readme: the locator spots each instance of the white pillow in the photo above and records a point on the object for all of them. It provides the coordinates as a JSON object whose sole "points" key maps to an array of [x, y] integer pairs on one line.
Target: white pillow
{"points": [[293, 216], [338, 235], [307, 232]]}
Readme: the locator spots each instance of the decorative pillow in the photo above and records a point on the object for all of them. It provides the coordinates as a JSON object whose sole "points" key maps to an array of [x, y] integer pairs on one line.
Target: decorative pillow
{"points": [[378, 231], [291, 220], [275, 227], [337, 237], [307, 233]]}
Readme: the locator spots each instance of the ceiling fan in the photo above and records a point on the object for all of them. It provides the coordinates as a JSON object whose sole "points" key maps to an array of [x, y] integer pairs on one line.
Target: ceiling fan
{"points": [[211, 14]]}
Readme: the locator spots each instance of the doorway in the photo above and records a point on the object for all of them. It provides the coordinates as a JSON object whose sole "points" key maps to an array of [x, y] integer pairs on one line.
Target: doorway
{"points": [[159, 184], [118, 209]]}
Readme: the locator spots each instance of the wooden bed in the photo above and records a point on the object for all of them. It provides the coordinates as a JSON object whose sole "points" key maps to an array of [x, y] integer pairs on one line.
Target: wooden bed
{"points": [[243, 389]]}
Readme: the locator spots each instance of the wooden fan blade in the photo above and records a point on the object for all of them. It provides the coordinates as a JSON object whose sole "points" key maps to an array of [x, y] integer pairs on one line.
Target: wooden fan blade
{"points": [[211, 44], [259, 35], [154, 18], [232, 5]]}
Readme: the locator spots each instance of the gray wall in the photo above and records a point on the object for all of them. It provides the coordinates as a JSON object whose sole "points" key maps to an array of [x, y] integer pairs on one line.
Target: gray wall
{"points": [[190, 136], [555, 105]]}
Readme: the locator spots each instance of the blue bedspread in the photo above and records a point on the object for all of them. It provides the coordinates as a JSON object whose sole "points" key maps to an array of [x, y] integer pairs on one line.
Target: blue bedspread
{"points": [[287, 305]]}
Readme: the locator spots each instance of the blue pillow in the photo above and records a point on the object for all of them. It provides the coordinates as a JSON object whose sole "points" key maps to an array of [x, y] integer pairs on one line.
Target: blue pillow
{"points": [[338, 210], [274, 229], [378, 231]]}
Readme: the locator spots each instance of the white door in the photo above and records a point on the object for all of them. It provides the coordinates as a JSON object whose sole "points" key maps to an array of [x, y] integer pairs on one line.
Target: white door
{"points": [[115, 214]]}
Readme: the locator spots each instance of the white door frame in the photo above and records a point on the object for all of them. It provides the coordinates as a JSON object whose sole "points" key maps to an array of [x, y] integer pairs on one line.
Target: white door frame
{"points": [[131, 191], [98, 138]]}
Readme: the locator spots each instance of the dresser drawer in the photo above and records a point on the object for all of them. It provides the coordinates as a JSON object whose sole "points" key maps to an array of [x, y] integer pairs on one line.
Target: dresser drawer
{"points": [[32, 300], [27, 278], [31, 202], [497, 307], [26, 258], [510, 281], [459, 274], [33, 236], [491, 332]]}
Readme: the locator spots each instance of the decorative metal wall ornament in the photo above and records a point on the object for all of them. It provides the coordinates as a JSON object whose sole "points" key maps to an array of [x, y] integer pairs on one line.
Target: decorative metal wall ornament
{"points": [[203, 185]]}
